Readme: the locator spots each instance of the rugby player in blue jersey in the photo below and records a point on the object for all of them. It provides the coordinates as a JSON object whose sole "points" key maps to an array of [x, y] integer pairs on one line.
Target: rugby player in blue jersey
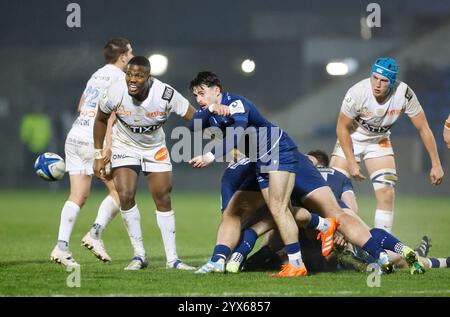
{"points": [[277, 166]]}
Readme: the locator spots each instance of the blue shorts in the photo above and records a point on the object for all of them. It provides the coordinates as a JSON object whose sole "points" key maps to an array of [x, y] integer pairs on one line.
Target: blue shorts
{"points": [[307, 179], [235, 177], [283, 157]]}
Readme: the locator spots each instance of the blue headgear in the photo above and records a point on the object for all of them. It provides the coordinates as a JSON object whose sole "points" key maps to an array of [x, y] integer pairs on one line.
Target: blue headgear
{"points": [[387, 67]]}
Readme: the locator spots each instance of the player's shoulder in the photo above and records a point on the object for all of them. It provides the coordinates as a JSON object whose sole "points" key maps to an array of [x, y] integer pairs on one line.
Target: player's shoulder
{"points": [[403, 90], [162, 90], [236, 103], [108, 73], [360, 89], [117, 90]]}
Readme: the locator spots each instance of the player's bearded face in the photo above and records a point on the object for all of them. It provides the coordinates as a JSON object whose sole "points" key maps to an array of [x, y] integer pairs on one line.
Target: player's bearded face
{"points": [[136, 77], [380, 85], [206, 95]]}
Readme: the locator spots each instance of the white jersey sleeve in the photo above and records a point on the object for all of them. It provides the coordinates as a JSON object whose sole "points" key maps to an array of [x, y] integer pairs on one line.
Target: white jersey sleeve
{"points": [[349, 106], [176, 102], [353, 100], [413, 106], [111, 98]]}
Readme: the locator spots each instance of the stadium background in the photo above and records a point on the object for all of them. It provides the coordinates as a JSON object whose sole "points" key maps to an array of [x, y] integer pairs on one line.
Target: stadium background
{"points": [[45, 66]]}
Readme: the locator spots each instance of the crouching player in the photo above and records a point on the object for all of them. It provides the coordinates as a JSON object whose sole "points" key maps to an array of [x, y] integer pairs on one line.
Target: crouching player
{"points": [[342, 188]]}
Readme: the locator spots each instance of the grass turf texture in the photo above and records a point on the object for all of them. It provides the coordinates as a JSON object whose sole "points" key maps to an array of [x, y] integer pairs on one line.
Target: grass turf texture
{"points": [[30, 220]]}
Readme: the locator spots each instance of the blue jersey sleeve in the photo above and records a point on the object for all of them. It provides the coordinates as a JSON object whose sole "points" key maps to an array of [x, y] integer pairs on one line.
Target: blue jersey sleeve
{"points": [[202, 115], [239, 113], [228, 143], [347, 186]]}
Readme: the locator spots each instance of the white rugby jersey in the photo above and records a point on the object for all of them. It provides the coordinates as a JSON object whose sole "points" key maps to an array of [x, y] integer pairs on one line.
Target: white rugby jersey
{"points": [[95, 87], [139, 123], [373, 119]]}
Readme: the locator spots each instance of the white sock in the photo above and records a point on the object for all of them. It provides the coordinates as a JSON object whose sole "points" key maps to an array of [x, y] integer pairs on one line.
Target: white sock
{"points": [[106, 212], [132, 220], [384, 219], [323, 225], [295, 259], [166, 223], [69, 214]]}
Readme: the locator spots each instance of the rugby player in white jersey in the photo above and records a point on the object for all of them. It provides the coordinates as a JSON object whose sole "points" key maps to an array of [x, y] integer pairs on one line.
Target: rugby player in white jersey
{"points": [[79, 158], [142, 105], [369, 110]]}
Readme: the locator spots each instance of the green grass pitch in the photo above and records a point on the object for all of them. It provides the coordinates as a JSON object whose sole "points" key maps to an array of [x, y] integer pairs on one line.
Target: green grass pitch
{"points": [[29, 222]]}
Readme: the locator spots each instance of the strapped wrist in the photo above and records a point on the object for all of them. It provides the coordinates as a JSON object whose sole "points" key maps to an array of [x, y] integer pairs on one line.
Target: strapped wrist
{"points": [[210, 157], [98, 154]]}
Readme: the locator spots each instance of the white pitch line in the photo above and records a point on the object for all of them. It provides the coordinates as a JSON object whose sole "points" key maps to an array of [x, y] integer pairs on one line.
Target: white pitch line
{"points": [[277, 294]]}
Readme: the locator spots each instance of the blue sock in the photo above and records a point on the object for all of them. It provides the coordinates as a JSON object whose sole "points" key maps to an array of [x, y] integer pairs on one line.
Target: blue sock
{"points": [[386, 240], [373, 248], [248, 242], [220, 252], [434, 263], [294, 254], [314, 221]]}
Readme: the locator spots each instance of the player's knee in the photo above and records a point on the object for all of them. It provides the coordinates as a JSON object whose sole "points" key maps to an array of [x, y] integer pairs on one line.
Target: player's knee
{"points": [[126, 199], [385, 195], [162, 199], [79, 198], [384, 179]]}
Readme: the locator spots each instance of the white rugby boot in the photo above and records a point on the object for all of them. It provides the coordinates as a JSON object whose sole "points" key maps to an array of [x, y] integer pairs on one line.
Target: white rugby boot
{"points": [[96, 247], [63, 257]]}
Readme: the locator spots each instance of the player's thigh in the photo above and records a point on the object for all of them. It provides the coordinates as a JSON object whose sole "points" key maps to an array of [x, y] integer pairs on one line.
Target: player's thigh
{"points": [[125, 181], [244, 204], [80, 186], [109, 184], [339, 162], [159, 183], [379, 163], [281, 184], [323, 202]]}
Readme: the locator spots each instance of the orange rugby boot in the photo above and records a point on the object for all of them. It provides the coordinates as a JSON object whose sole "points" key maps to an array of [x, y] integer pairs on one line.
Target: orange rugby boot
{"points": [[328, 237], [287, 270]]}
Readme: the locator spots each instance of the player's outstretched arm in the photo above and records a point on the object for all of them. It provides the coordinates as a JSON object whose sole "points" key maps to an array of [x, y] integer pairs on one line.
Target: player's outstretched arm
{"points": [[343, 129], [100, 126], [189, 113], [421, 124], [107, 150]]}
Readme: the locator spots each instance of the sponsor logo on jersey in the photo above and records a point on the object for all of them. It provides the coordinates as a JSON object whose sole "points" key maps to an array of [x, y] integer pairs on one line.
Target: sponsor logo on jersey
{"points": [[367, 126], [140, 129], [155, 114], [394, 112], [82, 122], [122, 112], [119, 156], [162, 154], [408, 94], [365, 112], [167, 94], [88, 113], [385, 143]]}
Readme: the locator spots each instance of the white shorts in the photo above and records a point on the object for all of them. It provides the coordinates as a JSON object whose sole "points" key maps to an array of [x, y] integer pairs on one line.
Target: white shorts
{"points": [[152, 160], [368, 149], [79, 155]]}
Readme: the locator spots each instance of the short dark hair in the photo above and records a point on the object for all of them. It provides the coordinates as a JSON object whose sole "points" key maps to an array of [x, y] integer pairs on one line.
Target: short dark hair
{"points": [[322, 157], [205, 78], [140, 61], [114, 48]]}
